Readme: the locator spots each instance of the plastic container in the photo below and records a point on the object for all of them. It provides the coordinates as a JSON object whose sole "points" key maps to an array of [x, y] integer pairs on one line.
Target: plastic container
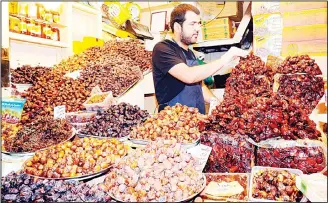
{"points": [[104, 105], [80, 117], [79, 126], [256, 169], [225, 179]]}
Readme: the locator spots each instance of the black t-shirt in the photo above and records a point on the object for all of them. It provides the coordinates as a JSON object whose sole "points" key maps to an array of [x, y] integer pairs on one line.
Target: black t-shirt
{"points": [[167, 54]]}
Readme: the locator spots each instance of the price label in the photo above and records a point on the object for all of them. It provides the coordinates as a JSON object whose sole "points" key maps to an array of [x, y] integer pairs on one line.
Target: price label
{"points": [[59, 112], [201, 153]]}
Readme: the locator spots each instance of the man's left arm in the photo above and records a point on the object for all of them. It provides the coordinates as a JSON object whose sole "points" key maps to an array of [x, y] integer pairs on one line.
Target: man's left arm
{"points": [[207, 93]]}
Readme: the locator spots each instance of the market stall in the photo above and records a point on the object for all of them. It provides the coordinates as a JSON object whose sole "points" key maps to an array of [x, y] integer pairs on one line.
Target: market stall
{"points": [[77, 131]]}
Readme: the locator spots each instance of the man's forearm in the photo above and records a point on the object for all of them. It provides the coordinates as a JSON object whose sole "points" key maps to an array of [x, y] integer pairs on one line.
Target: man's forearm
{"points": [[207, 93]]}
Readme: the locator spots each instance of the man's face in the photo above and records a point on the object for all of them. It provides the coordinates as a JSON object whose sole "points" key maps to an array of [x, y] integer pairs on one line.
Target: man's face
{"points": [[190, 28]]}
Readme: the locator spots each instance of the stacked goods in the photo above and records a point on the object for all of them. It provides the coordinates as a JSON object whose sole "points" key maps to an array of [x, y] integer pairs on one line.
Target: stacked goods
{"points": [[116, 122], [306, 159], [299, 64], [117, 77], [28, 74], [217, 29], [53, 90], [20, 187], [158, 172], [75, 159], [305, 91], [232, 154], [278, 185], [39, 134], [177, 122]]}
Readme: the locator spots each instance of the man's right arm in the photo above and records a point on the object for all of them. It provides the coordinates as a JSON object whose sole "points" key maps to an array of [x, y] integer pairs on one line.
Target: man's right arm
{"points": [[194, 74]]}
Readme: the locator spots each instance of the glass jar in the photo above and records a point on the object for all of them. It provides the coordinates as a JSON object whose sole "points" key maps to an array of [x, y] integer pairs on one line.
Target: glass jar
{"points": [[14, 23], [32, 10], [37, 28], [22, 9], [13, 8], [22, 26], [40, 11], [48, 16], [46, 31], [56, 17], [55, 34], [30, 27]]}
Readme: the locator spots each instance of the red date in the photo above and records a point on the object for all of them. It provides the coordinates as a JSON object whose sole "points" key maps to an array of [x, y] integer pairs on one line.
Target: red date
{"points": [[299, 64]]}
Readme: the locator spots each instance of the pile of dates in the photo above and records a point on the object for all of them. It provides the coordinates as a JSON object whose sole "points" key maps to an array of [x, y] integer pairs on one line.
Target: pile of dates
{"points": [[75, 159], [248, 85], [72, 63], [278, 185], [159, 172], [117, 121], [232, 154], [39, 134], [178, 122], [28, 74], [53, 90], [306, 159], [117, 77], [242, 179], [20, 187], [303, 90], [252, 65], [299, 64]]}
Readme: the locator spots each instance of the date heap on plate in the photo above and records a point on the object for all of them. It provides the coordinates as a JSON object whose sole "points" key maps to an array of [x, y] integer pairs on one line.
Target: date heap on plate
{"points": [[158, 172], [275, 185], [73, 159], [306, 159], [20, 187], [299, 64], [232, 154], [117, 121], [303, 90], [178, 122], [41, 133]]}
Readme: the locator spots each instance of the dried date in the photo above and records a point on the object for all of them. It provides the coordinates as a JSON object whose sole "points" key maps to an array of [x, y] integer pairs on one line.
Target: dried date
{"points": [[27, 74], [299, 64]]}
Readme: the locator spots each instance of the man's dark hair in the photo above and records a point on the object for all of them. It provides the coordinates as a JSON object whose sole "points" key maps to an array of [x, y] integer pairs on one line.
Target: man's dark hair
{"points": [[179, 13]]}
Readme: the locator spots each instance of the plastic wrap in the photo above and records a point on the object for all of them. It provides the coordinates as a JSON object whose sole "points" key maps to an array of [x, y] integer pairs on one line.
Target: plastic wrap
{"points": [[104, 105]]}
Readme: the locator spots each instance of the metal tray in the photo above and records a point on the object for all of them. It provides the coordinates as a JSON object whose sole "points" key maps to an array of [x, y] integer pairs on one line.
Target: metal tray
{"points": [[145, 142], [23, 154], [121, 139], [183, 200]]}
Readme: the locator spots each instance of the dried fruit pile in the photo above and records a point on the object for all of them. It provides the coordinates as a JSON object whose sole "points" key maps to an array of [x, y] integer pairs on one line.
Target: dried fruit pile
{"points": [[177, 122], [306, 159], [156, 173], [116, 77], [41, 133], [299, 64], [53, 90], [275, 185], [117, 121], [247, 85], [232, 154], [28, 74], [242, 180], [20, 187], [303, 90], [74, 159]]}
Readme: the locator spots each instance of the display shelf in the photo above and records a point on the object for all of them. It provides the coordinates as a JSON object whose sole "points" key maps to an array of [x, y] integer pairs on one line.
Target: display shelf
{"points": [[36, 40], [85, 8], [236, 38], [58, 25]]}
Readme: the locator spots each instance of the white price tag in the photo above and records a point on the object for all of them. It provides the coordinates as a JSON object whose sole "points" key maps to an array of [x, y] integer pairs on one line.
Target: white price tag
{"points": [[59, 112], [201, 153]]}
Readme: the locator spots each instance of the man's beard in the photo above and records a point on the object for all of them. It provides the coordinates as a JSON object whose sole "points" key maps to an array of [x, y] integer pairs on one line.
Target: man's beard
{"points": [[186, 40]]}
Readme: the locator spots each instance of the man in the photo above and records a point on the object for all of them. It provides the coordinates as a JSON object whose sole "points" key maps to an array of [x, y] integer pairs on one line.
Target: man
{"points": [[176, 73]]}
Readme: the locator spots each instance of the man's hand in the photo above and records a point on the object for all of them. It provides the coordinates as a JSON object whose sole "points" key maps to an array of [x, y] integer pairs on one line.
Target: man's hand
{"points": [[232, 54]]}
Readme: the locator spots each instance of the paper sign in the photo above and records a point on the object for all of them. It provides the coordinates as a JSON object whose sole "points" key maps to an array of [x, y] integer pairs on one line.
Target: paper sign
{"points": [[59, 112], [201, 154], [224, 189], [213, 103], [96, 90], [74, 75]]}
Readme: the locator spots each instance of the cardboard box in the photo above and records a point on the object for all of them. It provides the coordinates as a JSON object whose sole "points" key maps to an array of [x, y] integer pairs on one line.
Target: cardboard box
{"points": [[210, 10], [311, 48], [299, 6], [267, 45], [265, 24], [216, 35], [302, 33], [306, 17], [217, 22], [265, 7]]}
